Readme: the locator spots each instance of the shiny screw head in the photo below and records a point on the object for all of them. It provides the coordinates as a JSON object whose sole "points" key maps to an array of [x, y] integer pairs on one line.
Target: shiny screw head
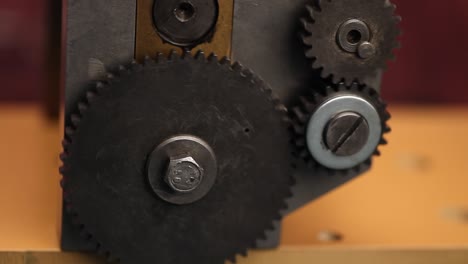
{"points": [[183, 174]]}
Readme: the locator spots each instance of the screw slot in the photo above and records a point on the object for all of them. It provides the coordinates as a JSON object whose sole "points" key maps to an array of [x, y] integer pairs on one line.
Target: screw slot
{"points": [[346, 134], [184, 12]]}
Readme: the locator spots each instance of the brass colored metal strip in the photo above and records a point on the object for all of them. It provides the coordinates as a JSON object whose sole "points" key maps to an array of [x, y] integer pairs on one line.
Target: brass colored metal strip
{"points": [[148, 42]]}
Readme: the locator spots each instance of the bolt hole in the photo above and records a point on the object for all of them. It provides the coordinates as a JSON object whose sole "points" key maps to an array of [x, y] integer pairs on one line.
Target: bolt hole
{"points": [[184, 12], [354, 36], [247, 130]]}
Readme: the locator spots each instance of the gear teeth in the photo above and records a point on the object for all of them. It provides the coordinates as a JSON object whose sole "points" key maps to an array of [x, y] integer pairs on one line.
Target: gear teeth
{"points": [[309, 54], [247, 73], [213, 57], [301, 142], [300, 115], [237, 67], [298, 129], [149, 61], [160, 58], [200, 56], [307, 25], [75, 119], [383, 141], [398, 20], [69, 131], [102, 86], [122, 69], [308, 106], [355, 87], [308, 40], [65, 143], [90, 96], [62, 181], [324, 73], [283, 208], [337, 79], [315, 65], [304, 155], [311, 11], [63, 156], [82, 107], [186, 54], [262, 236], [329, 68], [173, 55], [317, 4], [231, 259], [281, 108], [225, 61], [134, 66]]}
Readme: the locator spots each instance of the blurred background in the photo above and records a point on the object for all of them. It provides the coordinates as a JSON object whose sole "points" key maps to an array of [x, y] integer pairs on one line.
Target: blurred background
{"points": [[430, 68]]}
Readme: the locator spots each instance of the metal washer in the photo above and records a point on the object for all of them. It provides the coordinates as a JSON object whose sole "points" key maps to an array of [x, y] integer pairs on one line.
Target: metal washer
{"points": [[320, 119], [185, 23], [346, 28]]}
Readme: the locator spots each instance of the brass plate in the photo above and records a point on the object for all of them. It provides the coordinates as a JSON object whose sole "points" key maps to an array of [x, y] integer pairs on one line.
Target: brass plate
{"points": [[148, 42]]}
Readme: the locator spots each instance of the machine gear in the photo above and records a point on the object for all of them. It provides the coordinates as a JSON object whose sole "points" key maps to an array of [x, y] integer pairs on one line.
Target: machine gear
{"points": [[350, 40], [223, 116], [340, 128]]}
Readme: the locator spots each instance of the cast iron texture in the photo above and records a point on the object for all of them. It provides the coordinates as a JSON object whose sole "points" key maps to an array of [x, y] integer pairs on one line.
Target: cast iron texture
{"points": [[121, 122]]}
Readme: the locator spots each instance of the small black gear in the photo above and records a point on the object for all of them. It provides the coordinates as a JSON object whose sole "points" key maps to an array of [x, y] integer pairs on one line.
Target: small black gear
{"points": [[342, 63], [124, 119], [301, 115]]}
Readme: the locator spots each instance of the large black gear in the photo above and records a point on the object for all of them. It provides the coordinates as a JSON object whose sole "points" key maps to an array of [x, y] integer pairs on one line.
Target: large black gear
{"points": [[301, 114], [123, 120], [322, 24]]}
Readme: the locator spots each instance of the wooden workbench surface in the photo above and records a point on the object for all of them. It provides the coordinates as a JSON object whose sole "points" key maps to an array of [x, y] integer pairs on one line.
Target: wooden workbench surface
{"points": [[416, 195]]}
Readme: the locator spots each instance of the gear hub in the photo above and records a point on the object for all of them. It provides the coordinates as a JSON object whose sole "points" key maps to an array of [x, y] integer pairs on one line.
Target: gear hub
{"points": [[203, 125]]}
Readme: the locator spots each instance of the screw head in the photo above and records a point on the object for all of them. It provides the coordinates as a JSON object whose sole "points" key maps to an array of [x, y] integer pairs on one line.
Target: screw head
{"points": [[366, 50], [346, 134], [183, 174]]}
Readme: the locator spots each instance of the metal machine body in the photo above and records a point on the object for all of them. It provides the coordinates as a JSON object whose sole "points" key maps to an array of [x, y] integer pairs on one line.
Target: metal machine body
{"points": [[265, 36]]}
